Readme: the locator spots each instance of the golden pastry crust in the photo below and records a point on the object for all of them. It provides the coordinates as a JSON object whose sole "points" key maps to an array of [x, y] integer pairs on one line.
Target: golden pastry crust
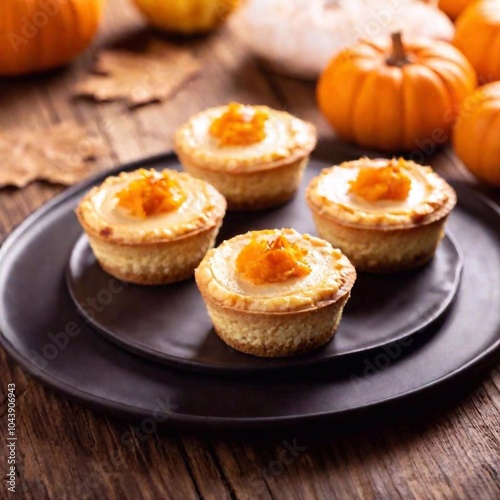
{"points": [[279, 334], [155, 263], [382, 251], [204, 208], [288, 139], [431, 198], [159, 249], [253, 190], [255, 176], [381, 236], [278, 319]]}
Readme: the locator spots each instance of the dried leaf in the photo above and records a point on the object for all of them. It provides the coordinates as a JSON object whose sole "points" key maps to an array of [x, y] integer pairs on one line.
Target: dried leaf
{"points": [[56, 154], [140, 77]]}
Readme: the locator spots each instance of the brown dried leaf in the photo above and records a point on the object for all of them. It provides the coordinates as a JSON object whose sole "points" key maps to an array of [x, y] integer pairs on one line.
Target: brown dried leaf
{"points": [[56, 154], [140, 77]]}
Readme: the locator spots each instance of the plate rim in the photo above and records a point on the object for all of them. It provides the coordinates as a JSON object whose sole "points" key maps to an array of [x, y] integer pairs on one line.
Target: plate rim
{"points": [[486, 358]]}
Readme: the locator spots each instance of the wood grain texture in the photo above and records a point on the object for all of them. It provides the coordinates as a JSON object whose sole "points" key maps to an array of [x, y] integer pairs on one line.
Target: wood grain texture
{"points": [[447, 451]]}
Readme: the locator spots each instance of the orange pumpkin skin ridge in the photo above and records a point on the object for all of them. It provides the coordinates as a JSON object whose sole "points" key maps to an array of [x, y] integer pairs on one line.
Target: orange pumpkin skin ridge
{"points": [[453, 8], [392, 108], [37, 36], [477, 131], [478, 37]]}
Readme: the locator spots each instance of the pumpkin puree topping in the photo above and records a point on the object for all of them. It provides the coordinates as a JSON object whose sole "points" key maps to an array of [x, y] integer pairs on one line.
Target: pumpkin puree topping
{"points": [[261, 261], [386, 183], [151, 195], [239, 126]]}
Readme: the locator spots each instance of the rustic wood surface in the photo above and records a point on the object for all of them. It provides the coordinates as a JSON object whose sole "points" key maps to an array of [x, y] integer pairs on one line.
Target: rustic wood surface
{"points": [[450, 450]]}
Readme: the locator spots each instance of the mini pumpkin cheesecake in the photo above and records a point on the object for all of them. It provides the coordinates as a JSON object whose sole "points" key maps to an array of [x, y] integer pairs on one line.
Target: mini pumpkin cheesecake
{"points": [[385, 215], [275, 293], [149, 227], [254, 155]]}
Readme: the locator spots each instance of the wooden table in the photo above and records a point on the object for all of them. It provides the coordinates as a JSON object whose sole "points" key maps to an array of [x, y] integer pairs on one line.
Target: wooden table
{"points": [[450, 450]]}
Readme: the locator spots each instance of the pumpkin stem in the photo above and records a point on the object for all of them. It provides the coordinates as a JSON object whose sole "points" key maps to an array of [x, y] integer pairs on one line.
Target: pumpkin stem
{"points": [[398, 55]]}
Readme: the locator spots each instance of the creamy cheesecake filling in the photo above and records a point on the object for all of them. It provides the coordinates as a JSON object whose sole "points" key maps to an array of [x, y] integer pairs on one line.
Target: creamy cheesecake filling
{"points": [[106, 205], [201, 205], [331, 193], [329, 270], [276, 138], [284, 135]]}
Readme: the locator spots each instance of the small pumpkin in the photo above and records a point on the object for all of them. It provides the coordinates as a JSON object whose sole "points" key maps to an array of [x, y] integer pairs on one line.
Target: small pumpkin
{"points": [[477, 132], [478, 37], [395, 96], [37, 35], [186, 16], [453, 8]]}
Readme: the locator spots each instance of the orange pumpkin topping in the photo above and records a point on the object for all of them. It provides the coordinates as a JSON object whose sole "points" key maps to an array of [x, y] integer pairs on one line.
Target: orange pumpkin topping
{"points": [[385, 183], [151, 195], [261, 261], [239, 126]]}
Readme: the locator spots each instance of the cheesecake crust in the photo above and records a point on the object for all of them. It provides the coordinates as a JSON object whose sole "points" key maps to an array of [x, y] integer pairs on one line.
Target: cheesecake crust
{"points": [[255, 176], [287, 320], [156, 250], [380, 236]]}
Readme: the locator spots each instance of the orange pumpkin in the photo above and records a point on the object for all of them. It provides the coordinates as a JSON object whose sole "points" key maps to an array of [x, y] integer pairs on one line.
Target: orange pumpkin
{"points": [[478, 37], [395, 97], [454, 7], [186, 16], [36, 35], [477, 132]]}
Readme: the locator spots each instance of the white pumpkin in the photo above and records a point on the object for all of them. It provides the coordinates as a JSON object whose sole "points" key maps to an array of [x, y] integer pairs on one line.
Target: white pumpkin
{"points": [[299, 37]]}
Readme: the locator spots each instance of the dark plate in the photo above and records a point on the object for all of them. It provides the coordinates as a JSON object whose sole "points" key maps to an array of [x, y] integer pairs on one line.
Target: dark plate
{"points": [[35, 308], [170, 323]]}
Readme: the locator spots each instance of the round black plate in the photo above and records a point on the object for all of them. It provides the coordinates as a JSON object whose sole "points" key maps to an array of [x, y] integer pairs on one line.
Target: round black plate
{"points": [[170, 323], [43, 331]]}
